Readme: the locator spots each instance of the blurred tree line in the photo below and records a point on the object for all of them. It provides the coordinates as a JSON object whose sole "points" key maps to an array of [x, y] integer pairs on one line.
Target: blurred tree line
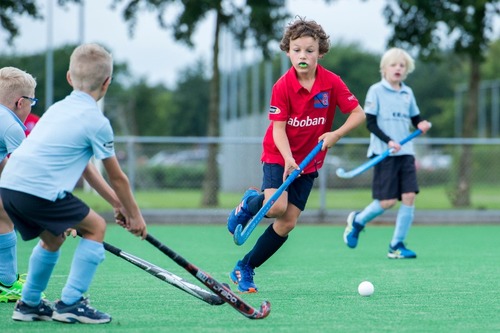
{"points": [[460, 33], [138, 108], [133, 106]]}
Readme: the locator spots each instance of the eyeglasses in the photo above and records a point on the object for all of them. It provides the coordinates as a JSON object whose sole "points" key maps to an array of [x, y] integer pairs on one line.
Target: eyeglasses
{"points": [[109, 78], [32, 100]]}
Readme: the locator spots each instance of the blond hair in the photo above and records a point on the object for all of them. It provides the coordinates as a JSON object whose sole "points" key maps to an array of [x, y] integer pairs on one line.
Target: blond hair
{"points": [[394, 55], [89, 67], [302, 28], [15, 83]]}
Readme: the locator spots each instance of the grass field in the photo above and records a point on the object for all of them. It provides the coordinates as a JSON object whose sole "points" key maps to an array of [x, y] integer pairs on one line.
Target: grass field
{"points": [[453, 285], [482, 197]]}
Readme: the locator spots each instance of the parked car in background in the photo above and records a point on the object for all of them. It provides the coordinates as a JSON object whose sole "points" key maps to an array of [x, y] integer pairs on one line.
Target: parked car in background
{"points": [[184, 157], [434, 161]]}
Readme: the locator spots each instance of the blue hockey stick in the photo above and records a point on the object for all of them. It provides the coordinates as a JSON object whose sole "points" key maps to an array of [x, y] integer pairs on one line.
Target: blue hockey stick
{"points": [[240, 234], [372, 162]]}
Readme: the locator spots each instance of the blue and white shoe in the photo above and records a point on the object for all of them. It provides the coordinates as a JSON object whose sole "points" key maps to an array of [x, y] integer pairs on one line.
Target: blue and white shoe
{"points": [[41, 312], [399, 251], [240, 214], [242, 275], [80, 312], [352, 230]]}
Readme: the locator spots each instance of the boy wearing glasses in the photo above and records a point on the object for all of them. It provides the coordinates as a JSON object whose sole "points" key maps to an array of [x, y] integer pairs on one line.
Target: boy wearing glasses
{"points": [[16, 87], [38, 197]]}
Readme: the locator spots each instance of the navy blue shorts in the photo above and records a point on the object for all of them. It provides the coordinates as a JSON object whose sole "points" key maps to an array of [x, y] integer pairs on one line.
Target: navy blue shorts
{"points": [[299, 189], [31, 214], [394, 176]]}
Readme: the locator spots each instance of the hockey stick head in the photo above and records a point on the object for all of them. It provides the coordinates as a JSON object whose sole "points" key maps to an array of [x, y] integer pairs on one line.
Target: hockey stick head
{"points": [[265, 310], [341, 173], [238, 237], [236, 302], [222, 290]]}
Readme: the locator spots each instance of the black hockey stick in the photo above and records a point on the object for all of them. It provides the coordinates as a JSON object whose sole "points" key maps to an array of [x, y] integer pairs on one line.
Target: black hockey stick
{"points": [[166, 276], [218, 288]]}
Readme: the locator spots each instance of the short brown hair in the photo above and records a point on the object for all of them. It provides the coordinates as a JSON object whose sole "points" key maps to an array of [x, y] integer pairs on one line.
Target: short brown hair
{"points": [[303, 28]]}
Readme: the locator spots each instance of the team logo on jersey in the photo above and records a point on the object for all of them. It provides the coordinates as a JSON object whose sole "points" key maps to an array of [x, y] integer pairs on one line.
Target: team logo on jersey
{"points": [[109, 145], [296, 122], [369, 105], [274, 110], [400, 115], [407, 98], [321, 100]]}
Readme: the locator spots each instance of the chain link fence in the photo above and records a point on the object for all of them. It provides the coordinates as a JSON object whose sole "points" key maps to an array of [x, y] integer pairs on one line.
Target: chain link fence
{"points": [[168, 163]]}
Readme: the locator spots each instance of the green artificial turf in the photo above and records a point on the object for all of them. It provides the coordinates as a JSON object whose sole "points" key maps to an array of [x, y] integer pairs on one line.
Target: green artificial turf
{"points": [[453, 285]]}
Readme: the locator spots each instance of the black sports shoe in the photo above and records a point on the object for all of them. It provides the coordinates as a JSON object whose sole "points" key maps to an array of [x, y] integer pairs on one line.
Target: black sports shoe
{"points": [[24, 312], [80, 312]]}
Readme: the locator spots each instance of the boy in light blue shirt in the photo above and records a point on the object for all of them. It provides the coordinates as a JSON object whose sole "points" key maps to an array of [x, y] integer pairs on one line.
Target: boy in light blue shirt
{"points": [[391, 109], [17, 96], [36, 188]]}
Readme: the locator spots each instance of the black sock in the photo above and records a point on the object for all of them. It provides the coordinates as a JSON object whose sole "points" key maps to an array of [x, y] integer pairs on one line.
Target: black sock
{"points": [[254, 204], [267, 244]]}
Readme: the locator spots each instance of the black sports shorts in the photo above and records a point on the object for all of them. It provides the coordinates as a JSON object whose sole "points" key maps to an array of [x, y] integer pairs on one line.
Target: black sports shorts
{"points": [[299, 189], [31, 214], [394, 176]]}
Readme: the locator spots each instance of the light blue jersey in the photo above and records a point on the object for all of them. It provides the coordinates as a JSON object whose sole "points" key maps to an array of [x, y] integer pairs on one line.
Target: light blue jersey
{"points": [[51, 160], [11, 131], [394, 110]]}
